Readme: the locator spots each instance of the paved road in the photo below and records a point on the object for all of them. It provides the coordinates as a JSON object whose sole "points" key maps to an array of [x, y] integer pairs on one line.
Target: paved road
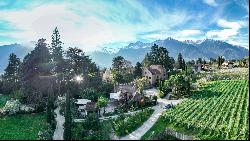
{"points": [[58, 134], [137, 134], [159, 109]]}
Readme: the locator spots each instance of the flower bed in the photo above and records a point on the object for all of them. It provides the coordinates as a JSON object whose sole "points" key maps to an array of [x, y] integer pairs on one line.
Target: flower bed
{"points": [[124, 125]]}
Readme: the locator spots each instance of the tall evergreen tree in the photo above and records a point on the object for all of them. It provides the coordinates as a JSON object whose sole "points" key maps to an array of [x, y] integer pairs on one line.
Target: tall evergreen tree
{"points": [[181, 62], [11, 77], [34, 66], [57, 52], [138, 70], [50, 105], [67, 124]]}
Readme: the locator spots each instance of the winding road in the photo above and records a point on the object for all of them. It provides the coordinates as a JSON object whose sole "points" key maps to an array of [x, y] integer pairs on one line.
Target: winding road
{"points": [[58, 134]]}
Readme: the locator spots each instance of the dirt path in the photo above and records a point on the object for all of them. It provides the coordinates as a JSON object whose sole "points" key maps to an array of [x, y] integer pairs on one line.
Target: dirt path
{"points": [[58, 134]]}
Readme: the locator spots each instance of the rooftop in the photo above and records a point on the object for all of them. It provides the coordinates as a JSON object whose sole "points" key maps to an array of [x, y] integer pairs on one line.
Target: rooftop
{"points": [[82, 101], [154, 71]]}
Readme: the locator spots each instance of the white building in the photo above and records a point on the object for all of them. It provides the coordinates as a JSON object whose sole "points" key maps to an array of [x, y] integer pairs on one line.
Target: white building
{"points": [[154, 73]]}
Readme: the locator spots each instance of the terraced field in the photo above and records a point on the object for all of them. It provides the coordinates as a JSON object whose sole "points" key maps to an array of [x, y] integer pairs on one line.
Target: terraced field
{"points": [[218, 111]]}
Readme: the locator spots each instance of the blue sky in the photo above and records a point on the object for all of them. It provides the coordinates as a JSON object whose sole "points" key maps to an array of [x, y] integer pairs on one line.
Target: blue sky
{"points": [[93, 24]]}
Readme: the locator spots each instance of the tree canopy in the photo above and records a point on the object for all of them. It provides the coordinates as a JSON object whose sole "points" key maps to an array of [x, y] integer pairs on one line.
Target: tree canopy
{"points": [[158, 56]]}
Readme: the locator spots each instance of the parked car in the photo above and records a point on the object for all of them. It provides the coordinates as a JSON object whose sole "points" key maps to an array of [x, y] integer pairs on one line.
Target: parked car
{"points": [[167, 106]]}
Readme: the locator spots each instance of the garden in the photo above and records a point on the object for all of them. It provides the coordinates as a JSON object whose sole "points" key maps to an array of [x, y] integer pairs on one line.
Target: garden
{"points": [[126, 124]]}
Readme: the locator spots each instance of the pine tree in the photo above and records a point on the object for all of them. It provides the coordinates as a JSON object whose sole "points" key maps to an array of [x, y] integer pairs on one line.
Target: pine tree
{"points": [[50, 105], [67, 124], [181, 62], [57, 52], [219, 62], [11, 77]]}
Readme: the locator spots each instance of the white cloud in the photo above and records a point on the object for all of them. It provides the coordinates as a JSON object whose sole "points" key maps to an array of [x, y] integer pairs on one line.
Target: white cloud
{"points": [[229, 32], [75, 30], [190, 32], [88, 28], [210, 2], [230, 29], [226, 24]]}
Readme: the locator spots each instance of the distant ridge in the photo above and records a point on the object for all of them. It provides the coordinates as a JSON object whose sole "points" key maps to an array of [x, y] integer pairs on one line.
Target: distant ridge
{"points": [[136, 51]]}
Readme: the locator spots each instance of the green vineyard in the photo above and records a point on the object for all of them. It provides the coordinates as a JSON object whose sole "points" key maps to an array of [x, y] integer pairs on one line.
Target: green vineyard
{"points": [[218, 111]]}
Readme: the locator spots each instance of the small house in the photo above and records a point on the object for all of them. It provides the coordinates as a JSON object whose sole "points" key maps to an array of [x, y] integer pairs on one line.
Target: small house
{"points": [[154, 73]]}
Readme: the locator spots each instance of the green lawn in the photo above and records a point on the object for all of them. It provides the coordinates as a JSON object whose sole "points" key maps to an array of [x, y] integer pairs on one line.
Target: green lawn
{"points": [[3, 100], [21, 126], [157, 128]]}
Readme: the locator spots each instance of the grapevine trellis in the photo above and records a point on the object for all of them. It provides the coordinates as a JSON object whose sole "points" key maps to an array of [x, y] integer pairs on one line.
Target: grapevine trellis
{"points": [[217, 111]]}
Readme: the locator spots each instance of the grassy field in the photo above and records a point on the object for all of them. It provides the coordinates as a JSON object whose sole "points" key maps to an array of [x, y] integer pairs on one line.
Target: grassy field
{"points": [[218, 111], [22, 126]]}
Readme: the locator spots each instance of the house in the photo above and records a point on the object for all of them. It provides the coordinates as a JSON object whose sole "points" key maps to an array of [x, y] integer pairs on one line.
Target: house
{"points": [[107, 76], [227, 65], [125, 88], [196, 68], [83, 106], [154, 73], [91, 107], [113, 96], [230, 65]]}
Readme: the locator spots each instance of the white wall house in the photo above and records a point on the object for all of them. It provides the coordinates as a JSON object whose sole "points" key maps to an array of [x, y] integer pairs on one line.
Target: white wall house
{"points": [[154, 73]]}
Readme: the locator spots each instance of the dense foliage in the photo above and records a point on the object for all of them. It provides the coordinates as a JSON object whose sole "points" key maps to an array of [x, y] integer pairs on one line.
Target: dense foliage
{"points": [[91, 129], [159, 56], [121, 70], [138, 70], [178, 85]]}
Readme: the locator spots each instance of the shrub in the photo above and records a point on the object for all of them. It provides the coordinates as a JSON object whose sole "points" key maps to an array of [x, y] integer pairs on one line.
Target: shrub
{"points": [[47, 133], [12, 107], [161, 94]]}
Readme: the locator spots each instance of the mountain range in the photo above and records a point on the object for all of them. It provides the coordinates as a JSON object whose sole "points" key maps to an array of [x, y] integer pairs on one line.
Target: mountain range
{"points": [[135, 52], [191, 50]]}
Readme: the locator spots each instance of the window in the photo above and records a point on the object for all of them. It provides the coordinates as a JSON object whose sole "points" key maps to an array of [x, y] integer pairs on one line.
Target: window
{"points": [[157, 76], [149, 77], [164, 74], [145, 72]]}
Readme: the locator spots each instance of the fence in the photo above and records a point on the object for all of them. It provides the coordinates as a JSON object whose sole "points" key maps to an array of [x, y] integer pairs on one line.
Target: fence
{"points": [[177, 135], [173, 134]]}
